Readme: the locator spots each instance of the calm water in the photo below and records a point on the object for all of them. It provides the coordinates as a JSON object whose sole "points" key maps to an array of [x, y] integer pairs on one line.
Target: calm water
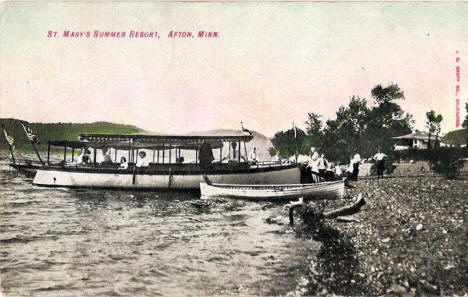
{"points": [[87, 242]]}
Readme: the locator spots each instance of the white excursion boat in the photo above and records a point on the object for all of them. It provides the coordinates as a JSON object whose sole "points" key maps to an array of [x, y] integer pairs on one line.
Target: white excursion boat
{"points": [[316, 191], [168, 168]]}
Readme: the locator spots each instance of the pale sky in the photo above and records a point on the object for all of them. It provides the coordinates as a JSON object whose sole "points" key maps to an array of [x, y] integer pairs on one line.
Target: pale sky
{"points": [[271, 64]]}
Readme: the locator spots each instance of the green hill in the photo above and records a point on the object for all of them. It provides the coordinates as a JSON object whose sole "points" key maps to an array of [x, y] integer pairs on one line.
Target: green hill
{"points": [[457, 137], [57, 131], [70, 131]]}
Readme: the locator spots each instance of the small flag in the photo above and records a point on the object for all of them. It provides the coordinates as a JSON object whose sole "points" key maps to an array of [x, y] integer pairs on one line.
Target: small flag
{"points": [[9, 139], [29, 133], [294, 128]]}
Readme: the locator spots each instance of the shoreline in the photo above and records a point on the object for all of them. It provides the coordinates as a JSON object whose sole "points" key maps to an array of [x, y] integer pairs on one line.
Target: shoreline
{"points": [[409, 239]]}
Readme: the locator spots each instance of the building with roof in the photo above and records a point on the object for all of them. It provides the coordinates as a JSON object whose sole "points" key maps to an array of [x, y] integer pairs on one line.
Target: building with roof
{"points": [[416, 140]]}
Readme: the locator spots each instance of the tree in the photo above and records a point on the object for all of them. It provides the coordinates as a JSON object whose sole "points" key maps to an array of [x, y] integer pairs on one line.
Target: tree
{"points": [[386, 118], [465, 122], [358, 128], [313, 130], [272, 151], [433, 125], [385, 95], [285, 144], [342, 136]]}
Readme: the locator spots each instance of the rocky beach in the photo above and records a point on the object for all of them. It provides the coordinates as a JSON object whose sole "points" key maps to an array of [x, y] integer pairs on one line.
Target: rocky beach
{"points": [[410, 239]]}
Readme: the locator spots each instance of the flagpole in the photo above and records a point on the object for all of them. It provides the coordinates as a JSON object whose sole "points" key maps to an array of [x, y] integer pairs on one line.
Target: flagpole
{"points": [[9, 146], [32, 143], [295, 153]]}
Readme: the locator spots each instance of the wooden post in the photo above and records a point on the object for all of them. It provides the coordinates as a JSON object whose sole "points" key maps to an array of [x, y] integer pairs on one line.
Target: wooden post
{"points": [[239, 157], [115, 155], [73, 154], [129, 149], [94, 156], [196, 156], [37, 153], [221, 154], [11, 152], [164, 152], [65, 154], [153, 154], [170, 153], [245, 149], [158, 155], [48, 153]]}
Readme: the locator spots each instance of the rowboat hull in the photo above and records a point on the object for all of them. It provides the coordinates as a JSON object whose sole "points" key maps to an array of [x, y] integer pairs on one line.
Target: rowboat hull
{"points": [[325, 190], [161, 179]]}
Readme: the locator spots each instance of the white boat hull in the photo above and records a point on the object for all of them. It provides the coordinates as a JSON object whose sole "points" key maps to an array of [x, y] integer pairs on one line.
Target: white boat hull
{"points": [[325, 190], [160, 180]]}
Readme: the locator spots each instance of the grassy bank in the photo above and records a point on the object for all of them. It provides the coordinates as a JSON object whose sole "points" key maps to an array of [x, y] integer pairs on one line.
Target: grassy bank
{"points": [[410, 239]]}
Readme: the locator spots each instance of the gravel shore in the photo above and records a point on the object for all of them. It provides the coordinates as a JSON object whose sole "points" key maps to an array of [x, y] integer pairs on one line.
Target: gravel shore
{"points": [[410, 239]]}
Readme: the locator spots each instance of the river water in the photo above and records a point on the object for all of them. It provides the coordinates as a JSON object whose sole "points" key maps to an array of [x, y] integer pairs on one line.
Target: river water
{"points": [[69, 242]]}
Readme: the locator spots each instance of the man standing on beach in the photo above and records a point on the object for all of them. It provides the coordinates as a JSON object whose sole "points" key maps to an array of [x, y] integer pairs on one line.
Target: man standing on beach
{"points": [[380, 163]]}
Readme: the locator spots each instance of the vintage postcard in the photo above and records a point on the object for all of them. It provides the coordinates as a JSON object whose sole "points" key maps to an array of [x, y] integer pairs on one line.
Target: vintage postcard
{"points": [[233, 148]]}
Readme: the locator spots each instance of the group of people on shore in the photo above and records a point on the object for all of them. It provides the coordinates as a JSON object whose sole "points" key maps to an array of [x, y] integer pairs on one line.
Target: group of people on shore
{"points": [[323, 170]]}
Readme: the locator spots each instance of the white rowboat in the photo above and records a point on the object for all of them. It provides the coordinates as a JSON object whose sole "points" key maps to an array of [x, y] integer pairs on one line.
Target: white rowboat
{"points": [[285, 192]]}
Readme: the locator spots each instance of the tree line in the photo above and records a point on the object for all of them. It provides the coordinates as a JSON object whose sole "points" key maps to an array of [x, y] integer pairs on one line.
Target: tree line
{"points": [[360, 127]]}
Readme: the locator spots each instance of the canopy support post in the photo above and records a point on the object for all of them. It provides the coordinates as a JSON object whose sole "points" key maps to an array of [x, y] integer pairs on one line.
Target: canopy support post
{"points": [[64, 154], [129, 149], [239, 156], [170, 153], [94, 156], [73, 154], [37, 153], [48, 154], [245, 149]]}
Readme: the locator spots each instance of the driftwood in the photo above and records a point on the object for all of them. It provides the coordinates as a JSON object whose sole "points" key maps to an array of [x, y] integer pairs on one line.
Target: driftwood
{"points": [[312, 216]]}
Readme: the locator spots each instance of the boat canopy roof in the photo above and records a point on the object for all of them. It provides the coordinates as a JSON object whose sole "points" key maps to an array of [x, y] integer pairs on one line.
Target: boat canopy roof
{"points": [[128, 141], [73, 144]]}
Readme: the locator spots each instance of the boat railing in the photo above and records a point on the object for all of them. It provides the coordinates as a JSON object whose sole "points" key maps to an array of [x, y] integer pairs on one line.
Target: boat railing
{"points": [[259, 164]]}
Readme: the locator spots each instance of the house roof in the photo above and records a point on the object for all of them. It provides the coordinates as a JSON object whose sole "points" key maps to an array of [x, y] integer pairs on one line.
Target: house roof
{"points": [[417, 135]]}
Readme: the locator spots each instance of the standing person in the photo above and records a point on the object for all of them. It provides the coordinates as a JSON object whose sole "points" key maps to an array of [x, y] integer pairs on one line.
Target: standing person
{"points": [[253, 155], [338, 172], [313, 165], [322, 165], [380, 163], [205, 155], [356, 161]]}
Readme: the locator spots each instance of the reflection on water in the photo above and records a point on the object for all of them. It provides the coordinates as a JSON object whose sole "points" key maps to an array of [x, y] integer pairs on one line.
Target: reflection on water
{"points": [[91, 242]]}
